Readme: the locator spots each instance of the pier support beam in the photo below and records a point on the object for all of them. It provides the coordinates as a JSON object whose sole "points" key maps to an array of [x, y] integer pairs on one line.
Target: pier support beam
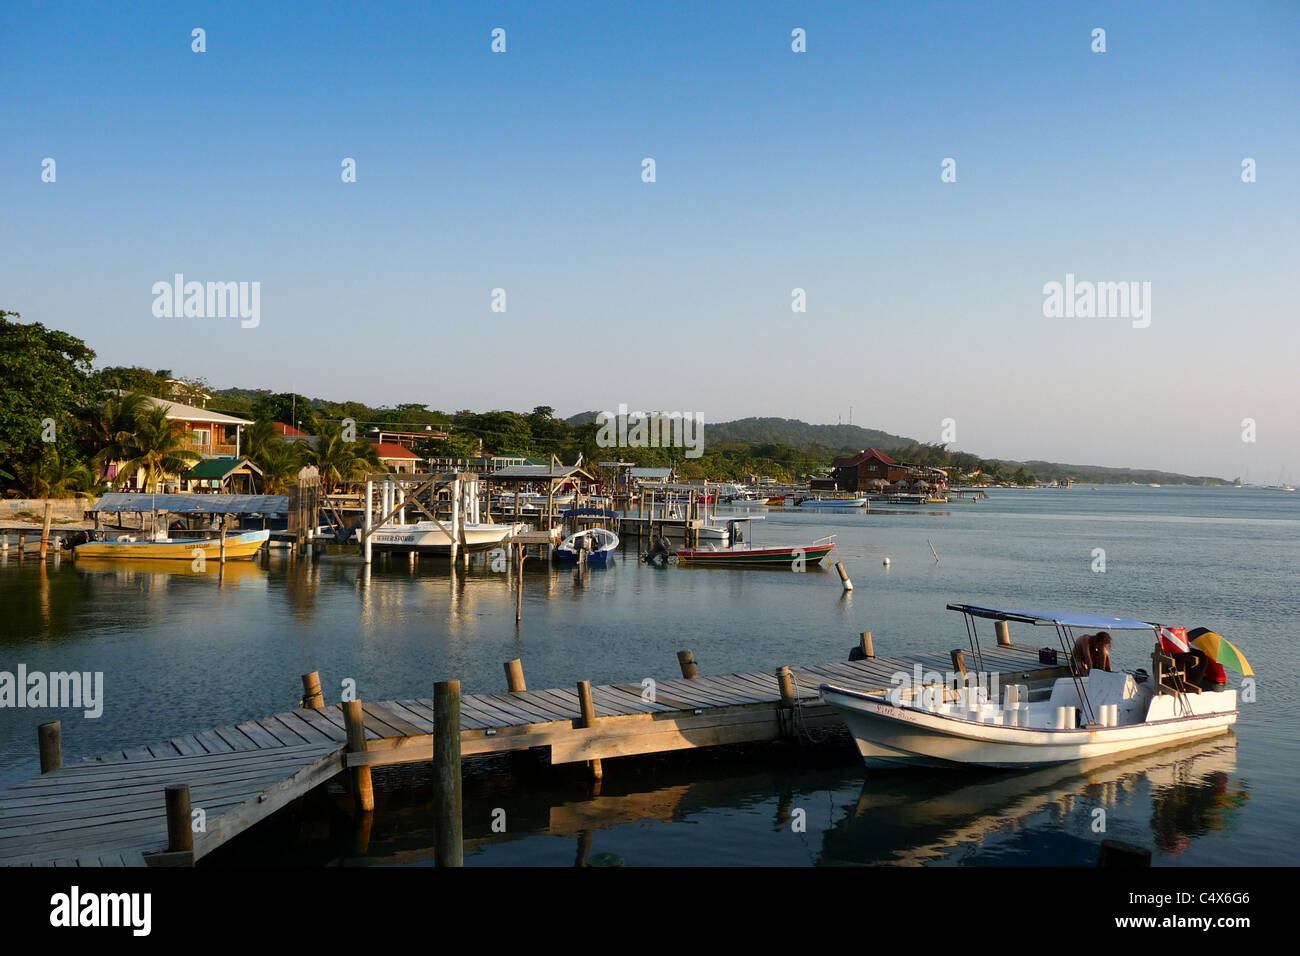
{"points": [[588, 705], [50, 740], [354, 721], [369, 522], [45, 528], [448, 847], [180, 828], [686, 660], [785, 715], [515, 676], [519, 593], [313, 698]]}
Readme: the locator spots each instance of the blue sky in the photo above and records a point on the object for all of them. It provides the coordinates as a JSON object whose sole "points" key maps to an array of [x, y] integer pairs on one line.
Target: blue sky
{"points": [[775, 170]]}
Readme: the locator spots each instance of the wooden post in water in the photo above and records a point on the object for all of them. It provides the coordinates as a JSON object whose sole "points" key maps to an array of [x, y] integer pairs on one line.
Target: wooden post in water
{"points": [[519, 591], [588, 706], [866, 645], [354, 721], [180, 828], [22, 546], [313, 698], [515, 676], [686, 660], [223, 539], [844, 576], [1004, 633], [369, 522], [45, 528], [448, 844], [49, 738]]}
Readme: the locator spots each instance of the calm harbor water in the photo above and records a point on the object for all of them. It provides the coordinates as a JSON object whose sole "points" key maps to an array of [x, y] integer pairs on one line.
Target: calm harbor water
{"points": [[182, 652]]}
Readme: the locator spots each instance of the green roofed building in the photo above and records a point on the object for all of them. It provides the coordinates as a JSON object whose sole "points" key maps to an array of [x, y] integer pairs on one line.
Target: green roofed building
{"points": [[222, 476]]}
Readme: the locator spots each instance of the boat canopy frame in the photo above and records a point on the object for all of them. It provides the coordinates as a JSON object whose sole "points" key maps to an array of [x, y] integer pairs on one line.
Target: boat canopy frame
{"points": [[1063, 623]]}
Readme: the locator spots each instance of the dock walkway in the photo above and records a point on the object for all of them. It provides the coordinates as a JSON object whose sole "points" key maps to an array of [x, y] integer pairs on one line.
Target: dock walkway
{"points": [[110, 810]]}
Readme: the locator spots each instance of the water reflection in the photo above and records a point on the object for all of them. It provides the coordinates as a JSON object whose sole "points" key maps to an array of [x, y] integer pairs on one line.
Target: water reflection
{"points": [[909, 818]]}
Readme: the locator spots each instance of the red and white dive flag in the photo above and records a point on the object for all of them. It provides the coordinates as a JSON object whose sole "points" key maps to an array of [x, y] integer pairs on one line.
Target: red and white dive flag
{"points": [[1173, 640]]}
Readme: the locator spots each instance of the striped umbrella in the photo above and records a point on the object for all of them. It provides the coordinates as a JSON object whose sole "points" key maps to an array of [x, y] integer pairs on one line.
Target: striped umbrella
{"points": [[1222, 651]]}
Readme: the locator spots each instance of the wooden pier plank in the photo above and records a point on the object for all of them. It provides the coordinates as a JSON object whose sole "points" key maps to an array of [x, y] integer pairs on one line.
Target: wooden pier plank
{"points": [[109, 810]]}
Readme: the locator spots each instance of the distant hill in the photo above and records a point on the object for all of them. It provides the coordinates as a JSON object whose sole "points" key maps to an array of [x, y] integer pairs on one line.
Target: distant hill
{"points": [[788, 431], [848, 439]]}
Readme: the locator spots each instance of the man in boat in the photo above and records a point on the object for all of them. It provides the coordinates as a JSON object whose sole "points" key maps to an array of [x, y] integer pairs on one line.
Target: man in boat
{"points": [[1201, 671], [1092, 651]]}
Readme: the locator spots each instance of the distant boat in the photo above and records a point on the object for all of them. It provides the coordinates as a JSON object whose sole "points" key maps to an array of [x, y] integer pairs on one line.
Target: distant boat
{"points": [[742, 553], [242, 545], [598, 543], [833, 503]]}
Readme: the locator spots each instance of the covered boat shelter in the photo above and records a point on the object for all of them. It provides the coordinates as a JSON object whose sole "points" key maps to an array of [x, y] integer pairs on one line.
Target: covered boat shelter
{"points": [[193, 507], [544, 479]]}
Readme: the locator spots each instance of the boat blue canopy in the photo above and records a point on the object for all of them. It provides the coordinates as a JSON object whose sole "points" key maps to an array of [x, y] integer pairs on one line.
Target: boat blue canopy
{"points": [[1064, 618], [181, 504]]}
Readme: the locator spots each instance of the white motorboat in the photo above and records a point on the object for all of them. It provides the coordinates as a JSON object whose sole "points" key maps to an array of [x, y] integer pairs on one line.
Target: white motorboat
{"points": [[431, 537], [938, 724]]}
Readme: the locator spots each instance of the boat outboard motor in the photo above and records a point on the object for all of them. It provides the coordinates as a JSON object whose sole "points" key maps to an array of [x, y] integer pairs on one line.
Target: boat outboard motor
{"points": [[659, 552]]}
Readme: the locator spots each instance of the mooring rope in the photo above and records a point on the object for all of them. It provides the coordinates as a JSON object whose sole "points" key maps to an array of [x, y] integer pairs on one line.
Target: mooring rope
{"points": [[800, 723]]}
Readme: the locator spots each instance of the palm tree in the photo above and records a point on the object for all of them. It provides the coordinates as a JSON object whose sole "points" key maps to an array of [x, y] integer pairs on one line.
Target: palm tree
{"points": [[338, 460], [112, 425], [279, 461], [53, 476], [260, 435], [157, 447]]}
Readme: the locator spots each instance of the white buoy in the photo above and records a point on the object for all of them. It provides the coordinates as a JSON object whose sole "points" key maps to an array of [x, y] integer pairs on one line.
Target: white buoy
{"points": [[886, 562]]}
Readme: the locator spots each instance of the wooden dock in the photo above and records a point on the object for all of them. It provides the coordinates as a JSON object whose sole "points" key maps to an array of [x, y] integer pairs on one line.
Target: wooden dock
{"points": [[118, 809]]}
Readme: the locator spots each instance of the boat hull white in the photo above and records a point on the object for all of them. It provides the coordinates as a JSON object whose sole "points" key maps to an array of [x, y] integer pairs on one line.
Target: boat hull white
{"points": [[426, 537], [895, 736]]}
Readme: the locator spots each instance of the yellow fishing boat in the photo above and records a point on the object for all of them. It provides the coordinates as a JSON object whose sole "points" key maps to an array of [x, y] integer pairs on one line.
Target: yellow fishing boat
{"points": [[131, 547]]}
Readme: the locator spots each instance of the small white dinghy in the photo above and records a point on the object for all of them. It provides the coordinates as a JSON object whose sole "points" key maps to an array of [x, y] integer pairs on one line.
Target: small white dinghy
{"points": [[1100, 714]]}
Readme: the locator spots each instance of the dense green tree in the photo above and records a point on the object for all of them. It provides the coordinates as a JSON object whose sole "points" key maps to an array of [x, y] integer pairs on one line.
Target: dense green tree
{"points": [[44, 379]]}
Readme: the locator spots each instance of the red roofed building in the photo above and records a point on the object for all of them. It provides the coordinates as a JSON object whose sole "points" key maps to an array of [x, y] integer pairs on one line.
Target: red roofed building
{"points": [[288, 431], [397, 457], [858, 472]]}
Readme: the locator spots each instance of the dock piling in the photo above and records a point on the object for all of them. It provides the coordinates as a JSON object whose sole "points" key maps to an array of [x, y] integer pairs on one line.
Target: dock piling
{"points": [[45, 528], [449, 849], [785, 679], [588, 705], [686, 660], [180, 829], [866, 645], [50, 740], [313, 698], [844, 576], [515, 676], [354, 721]]}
